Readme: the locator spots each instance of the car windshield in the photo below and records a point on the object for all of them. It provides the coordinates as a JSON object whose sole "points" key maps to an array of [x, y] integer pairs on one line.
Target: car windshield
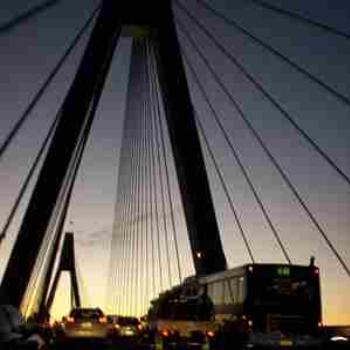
{"points": [[92, 314], [128, 321]]}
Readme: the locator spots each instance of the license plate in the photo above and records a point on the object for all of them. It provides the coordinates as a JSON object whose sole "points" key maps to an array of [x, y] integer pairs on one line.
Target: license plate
{"points": [[86, 325], [286, 342]]}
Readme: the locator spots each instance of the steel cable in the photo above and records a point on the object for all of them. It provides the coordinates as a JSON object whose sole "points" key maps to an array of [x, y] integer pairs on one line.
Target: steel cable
{"points": [[166, 169], [27, 15], [301, 18], [225, 188], [12, 134], [160, 174], [154, 183], [283, 175], [238, 160], [265, 93], [29, 177], [277, 53], [149, 165]]}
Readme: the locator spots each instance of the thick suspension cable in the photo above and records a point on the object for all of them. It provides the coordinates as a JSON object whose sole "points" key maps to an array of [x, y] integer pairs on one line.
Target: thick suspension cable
{"points": [[301, 18], [168, 187], [119, 222], [265, 93], [27, 15], [130, 149], [126, 205], [169, 195], [238, 160], [150, 203], [126, 212], [149, 167], [139, 203], [133, 228], [132, 225], [160, 175], [28, 178], [277, 166], [276, 52], [16, 128], [153, 162], [144, 256], [139, 216], [130, 228], [225, 188]]}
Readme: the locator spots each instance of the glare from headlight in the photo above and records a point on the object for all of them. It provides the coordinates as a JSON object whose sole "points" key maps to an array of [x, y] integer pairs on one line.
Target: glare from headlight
{"points": [[339, 338]]}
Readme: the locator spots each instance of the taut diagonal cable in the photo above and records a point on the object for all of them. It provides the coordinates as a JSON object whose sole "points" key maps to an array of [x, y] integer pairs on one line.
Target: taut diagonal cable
{"points": [[238, 160], [27, 15], [301, 18], [153, 162], [277, 166], [265, 93], [225, 188], [9, 138], [277, 53], [166, 169]]}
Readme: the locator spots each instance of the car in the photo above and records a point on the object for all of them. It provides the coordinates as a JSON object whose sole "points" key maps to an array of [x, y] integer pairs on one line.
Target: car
{"points": [[84, 323], [127, 326]]}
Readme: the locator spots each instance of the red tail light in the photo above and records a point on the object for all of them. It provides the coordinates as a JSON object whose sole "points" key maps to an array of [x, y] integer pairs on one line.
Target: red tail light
{"points": [[70, 320], [165, 333], [102, 319]]}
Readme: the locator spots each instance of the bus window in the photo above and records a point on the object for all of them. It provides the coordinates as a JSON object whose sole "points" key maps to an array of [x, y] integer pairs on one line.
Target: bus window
{"points": [[241, 289], [210, 290], [218, 293], [234, 286], [228, 295]]}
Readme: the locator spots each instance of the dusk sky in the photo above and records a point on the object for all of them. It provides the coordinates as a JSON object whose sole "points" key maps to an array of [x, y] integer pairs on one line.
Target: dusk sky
{"points": [[29, 52]]}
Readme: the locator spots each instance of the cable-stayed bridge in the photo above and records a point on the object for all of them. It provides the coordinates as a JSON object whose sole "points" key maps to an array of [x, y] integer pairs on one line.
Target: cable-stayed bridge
{"points": [[233, 132]]}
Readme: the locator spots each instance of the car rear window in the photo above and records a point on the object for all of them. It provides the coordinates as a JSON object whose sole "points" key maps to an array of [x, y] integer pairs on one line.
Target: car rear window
{"points": [[86, 313], [128, 321]]}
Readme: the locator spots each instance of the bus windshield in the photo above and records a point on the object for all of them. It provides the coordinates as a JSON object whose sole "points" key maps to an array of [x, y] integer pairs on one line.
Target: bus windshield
{"points": [[283, 286]]}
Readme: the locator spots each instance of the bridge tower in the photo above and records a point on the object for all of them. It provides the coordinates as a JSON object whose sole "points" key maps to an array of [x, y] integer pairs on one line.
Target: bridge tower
{"points": [[77, 114], [66, 263]]}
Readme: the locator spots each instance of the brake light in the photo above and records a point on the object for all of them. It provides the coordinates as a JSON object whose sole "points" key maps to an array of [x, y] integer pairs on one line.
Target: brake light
{"points": [[165, 333], [102, 319], [70, 319]]}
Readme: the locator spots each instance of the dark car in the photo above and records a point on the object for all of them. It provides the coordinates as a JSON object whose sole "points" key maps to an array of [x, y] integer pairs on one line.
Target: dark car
{"points": [[127, 326]]}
